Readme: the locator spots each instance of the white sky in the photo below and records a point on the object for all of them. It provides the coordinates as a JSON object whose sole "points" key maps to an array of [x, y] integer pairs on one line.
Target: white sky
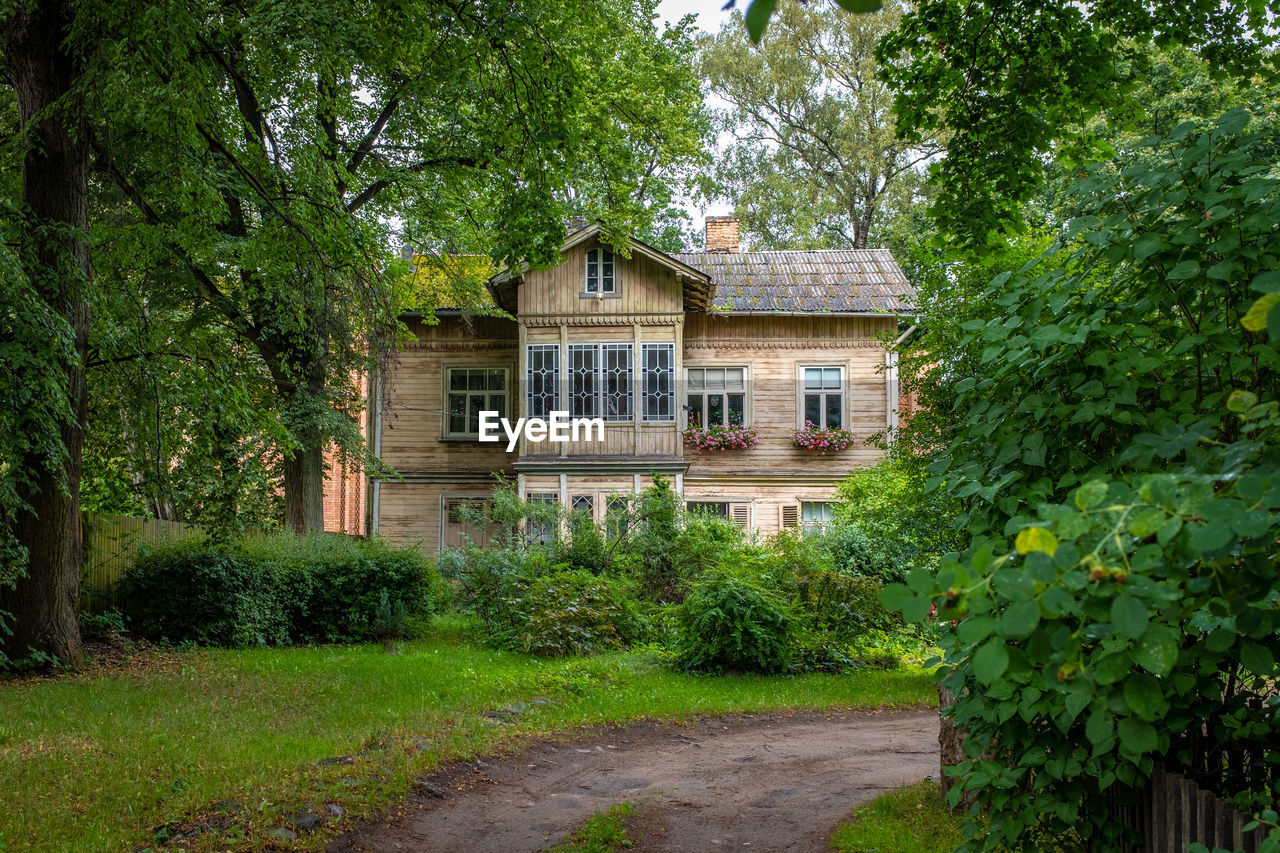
{"points": [[709, 19]]}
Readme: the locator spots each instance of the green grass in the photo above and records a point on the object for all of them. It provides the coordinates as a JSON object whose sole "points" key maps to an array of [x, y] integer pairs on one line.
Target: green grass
{"points": [[910, 820], [605, 832], [101, 761]]}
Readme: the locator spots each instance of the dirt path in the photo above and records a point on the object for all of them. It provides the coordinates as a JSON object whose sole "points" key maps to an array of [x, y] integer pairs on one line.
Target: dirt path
{"points": [[758, 782]]}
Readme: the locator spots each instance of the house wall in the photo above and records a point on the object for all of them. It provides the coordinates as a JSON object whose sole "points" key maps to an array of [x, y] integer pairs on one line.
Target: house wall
{"points": [[764, 479]]}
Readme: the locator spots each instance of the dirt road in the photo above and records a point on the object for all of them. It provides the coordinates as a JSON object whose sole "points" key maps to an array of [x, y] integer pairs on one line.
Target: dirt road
{"points": [[748, 782]]}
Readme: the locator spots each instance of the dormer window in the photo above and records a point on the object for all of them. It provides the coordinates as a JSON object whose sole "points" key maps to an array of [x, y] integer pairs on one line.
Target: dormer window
{"points": [[600, 271]]}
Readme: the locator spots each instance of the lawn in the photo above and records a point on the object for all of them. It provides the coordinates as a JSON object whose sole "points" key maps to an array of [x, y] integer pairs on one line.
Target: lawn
{"points": [[914, 819], [108, 761]]}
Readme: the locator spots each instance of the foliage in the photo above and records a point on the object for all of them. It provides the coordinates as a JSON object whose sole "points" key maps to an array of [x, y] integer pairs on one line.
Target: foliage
{"points": [[823, 440], [721, 437], [201, 593], [566, 612], [907, 820], [1135, 615], [270, 590], [813, 160], [733, 622], [100, 626], [887, 523], [1013, 82]]}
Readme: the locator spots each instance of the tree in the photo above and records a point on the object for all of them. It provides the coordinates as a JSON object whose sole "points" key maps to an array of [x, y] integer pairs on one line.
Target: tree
{"points": [[815, 160], [264, 157], [43, 332], [1015, 83]]}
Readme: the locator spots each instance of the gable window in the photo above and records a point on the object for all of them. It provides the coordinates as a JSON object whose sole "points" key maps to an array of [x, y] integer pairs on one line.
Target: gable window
{"points": [[543, 380], [815, 516], [600, 278], [600, 381], [822, 396], [659, 385], [716, 395], [473, 390]]}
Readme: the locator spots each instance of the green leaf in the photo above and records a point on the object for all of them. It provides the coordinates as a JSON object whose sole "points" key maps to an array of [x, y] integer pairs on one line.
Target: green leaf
{"points": [[1256, 318], [1014, 585], [1241, 401], [1258, 659], [1184, 271], [990, 660], [1036, 539], [860, 6], [757, 17], [1020, 619], [1157, 650], [1100, 727], [896, 596], [1091, 494], [1129, 616], [1143, 696], [975, 629], [1138, 736]]}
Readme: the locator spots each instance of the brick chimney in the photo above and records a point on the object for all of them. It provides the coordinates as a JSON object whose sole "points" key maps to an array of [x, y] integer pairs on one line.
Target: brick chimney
{"points": [[722, 234]]}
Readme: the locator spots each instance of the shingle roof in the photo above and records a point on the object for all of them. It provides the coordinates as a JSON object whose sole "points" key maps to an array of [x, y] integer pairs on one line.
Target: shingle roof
{"points": [[854, 281]]}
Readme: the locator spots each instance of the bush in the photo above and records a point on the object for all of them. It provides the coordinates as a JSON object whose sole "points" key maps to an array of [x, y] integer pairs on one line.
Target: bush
{"points": [[528, 603], [272, 589], [729, 622], [855, 553], [193, 591]]}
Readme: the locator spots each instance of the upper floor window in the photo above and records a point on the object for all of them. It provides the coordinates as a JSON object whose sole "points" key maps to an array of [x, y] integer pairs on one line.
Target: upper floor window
{"points": [[822, 396], [600, 277], [473, 390], [659, 381], [716, 395], [600, 381], [543, 380]]}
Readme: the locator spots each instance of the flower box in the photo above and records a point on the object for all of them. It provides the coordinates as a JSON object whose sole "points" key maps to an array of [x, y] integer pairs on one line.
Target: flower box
{"points": [[720, 437], [820, 441]]}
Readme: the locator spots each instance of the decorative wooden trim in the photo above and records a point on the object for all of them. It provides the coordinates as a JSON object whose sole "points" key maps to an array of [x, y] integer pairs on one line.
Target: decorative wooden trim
{"points": [[460, 346], [620, 319], [779, 343]]}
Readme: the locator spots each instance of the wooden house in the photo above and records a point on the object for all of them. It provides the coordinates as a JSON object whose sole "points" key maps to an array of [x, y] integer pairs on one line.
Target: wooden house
{"points": [[652, 344]]}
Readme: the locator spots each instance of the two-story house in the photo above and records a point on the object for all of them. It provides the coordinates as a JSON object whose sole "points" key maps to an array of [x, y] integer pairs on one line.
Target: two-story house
{"points": [[650, 344]]}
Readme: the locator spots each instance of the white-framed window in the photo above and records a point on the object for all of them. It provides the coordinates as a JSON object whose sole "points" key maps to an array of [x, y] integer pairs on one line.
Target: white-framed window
{"points": [[583, 503], [472, 390], [542, 377], [716, 395], [600, 381], [659, 366], [600, 277], [822, 396], [538, 531], [815, 515]]}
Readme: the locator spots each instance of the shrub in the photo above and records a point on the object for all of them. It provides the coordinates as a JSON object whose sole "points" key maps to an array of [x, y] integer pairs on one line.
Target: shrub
{"points": [[100, 626], [528, 603], [733, 623], [859, 555], [193, 591], [270, 589]]}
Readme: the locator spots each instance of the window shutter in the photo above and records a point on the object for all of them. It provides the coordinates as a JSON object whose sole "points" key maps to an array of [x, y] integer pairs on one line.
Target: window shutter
{"points": [[790, 516], [741, 514]]}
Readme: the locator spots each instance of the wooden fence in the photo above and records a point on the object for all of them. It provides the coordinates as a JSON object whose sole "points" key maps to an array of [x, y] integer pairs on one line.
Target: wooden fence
{"points": [[110, 547], [1175, 812]]}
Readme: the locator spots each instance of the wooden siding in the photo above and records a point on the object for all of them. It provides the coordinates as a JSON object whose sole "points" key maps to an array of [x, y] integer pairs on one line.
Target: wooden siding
{"points": [[765, 497], [785, 331], [643, 287], [413, 396]]}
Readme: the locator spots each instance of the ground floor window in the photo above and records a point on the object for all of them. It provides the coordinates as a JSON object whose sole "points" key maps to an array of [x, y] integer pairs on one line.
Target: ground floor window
{"points": [[583, 503], [463, 522], [541, 531], [713, 508], [815, 515]]}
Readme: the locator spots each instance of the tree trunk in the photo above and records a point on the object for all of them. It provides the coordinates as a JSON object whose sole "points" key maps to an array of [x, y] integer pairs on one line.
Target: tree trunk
{"points": [[55, 192], [304, 488]]}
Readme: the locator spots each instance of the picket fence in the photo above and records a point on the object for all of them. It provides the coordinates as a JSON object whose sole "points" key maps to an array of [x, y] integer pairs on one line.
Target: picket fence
{"points": [[110, 547], [1175, 812]]}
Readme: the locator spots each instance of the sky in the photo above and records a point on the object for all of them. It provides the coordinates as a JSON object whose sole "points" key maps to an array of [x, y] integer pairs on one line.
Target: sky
{"points": [[709, 18]]}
